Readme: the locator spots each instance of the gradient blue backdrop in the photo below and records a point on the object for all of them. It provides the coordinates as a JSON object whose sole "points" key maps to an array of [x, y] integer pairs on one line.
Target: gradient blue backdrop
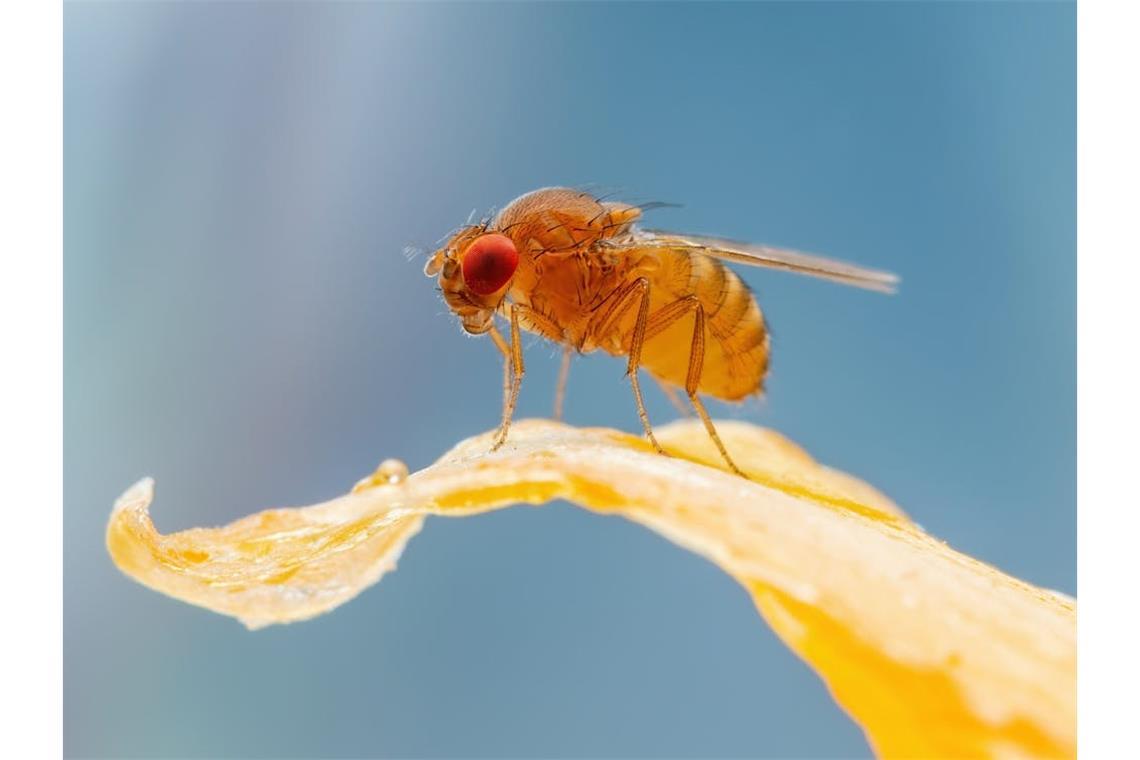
{"points": [[240, 322]]}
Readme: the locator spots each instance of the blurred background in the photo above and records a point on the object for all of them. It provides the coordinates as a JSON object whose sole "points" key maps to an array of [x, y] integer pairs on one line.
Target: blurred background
{"points": [[241, 323]]}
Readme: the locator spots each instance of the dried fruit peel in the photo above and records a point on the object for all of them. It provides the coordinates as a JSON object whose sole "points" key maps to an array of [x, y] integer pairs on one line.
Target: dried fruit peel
{"points": [[932, 653]]}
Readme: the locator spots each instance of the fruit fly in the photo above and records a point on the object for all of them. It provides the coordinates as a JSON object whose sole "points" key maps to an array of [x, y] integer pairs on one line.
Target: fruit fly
{"points": [[578, 271]]}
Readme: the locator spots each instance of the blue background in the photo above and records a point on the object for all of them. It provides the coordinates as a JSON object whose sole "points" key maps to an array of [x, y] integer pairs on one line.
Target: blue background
{"points": [[241, 323]]}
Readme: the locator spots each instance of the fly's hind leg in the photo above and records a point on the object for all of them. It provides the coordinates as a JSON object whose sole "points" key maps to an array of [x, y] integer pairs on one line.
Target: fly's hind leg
{"points": [[696, 359], [666, 316], [647, 327]]}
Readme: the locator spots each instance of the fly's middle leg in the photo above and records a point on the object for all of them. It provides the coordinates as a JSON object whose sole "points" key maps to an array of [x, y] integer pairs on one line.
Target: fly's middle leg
{"points": [[636, 292], [563, 374]]}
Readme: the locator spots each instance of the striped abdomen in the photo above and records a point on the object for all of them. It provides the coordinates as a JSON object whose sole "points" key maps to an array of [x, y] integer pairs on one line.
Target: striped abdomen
{"points": [[736, 339]]}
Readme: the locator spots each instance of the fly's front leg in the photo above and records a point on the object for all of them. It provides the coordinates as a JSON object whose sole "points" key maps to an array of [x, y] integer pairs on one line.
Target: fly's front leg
{"points": [[513, 358], [513, 368], [505, 350]]}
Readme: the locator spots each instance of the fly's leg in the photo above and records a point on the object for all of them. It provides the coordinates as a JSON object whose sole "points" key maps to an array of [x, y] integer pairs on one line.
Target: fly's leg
{"points": [[635, 361], [513, 368], [693, 381], [666, 316], [635, 292], [648, 327], [563, 375], [505, 350], [512, 355], [552, 331]]}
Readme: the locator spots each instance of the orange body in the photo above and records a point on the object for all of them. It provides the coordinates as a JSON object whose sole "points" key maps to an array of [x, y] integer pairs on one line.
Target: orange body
{"points": [[576, 270], [570, 270]]}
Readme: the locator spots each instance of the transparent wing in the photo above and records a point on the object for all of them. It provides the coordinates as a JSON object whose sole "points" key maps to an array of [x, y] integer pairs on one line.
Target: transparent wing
{"points": [[766, 256]]}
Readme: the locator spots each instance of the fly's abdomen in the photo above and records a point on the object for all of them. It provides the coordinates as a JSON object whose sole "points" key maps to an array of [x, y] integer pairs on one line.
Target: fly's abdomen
{"points": [[736, 339]]}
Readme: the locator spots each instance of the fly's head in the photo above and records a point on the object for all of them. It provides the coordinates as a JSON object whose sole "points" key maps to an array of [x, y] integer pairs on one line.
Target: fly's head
{"points": [[474, 270]]}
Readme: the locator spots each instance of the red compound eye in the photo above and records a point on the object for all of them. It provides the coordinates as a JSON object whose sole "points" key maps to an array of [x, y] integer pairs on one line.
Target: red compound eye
{"points": [[489, 263]]}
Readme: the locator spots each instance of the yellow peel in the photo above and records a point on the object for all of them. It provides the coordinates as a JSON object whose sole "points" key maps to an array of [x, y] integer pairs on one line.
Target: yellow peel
{"points": [[932, 653]]}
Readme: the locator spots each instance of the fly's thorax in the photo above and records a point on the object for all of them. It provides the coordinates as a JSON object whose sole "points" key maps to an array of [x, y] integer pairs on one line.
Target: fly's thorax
{"points": [[562, 219], [546, 247]]}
